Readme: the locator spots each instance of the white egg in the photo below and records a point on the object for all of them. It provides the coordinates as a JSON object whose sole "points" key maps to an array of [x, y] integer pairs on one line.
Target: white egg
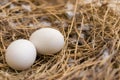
{"points": [[20, 54], [48, 41]]}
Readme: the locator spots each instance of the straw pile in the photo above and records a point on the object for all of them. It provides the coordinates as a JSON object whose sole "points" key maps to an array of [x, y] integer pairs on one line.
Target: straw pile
{"points": [[91, 31]]}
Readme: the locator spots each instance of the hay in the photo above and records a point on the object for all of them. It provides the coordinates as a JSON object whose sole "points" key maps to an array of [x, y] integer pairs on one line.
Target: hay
{"points": [[92, 36]]}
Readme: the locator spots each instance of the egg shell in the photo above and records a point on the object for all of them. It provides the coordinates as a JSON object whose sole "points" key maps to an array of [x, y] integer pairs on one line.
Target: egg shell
{"points": [[48, 41], [20, 54]]}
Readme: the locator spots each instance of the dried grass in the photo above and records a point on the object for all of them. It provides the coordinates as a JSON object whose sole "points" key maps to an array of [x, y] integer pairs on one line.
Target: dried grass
{"points": [[89, 54]]}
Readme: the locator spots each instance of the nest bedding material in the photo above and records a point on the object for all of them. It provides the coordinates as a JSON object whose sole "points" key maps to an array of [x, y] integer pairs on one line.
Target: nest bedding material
{"points": [[91, 31]]}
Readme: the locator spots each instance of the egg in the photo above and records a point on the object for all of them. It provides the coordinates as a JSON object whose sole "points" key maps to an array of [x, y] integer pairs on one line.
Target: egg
{"points": [[47, 41], [20, 54]]}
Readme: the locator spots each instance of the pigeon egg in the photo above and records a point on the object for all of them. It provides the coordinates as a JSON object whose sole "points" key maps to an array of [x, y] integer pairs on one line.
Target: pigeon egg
{"points": [[20, 54], [47, 41]]}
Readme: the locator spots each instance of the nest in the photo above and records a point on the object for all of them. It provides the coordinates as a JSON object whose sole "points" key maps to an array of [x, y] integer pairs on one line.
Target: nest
{"points": [[92, 39]]}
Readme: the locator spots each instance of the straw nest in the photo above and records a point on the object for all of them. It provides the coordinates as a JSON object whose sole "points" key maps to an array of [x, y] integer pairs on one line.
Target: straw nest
{"points": [[91, 31]]}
